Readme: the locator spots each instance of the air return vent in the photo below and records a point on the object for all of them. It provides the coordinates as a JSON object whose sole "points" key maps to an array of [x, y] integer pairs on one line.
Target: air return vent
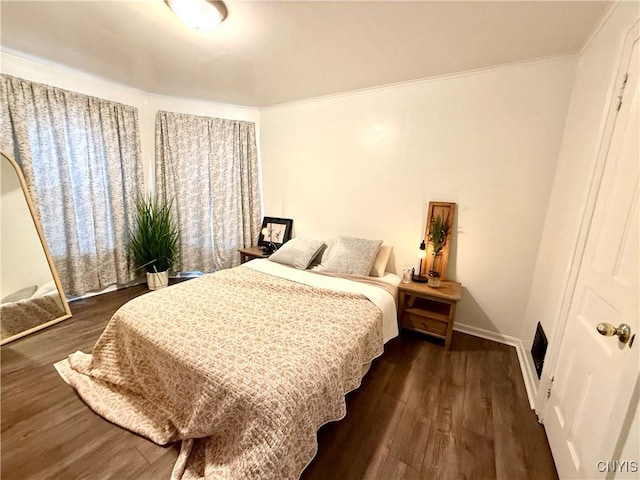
{"points": [[539, 349]]}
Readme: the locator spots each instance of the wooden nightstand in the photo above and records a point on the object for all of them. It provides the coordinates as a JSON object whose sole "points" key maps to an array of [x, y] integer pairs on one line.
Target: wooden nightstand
{"points": [[429, 310], [250, 253]]}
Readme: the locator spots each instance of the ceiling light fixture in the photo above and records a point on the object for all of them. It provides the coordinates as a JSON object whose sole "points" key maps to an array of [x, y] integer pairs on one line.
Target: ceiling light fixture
{"points": [[201, 15]]}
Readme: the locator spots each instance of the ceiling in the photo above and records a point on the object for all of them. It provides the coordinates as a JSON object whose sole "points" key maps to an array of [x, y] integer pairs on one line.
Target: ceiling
{"points": [[272, 52]]}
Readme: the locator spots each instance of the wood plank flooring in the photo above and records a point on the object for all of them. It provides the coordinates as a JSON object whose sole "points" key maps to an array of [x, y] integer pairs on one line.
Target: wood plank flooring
{"points": [[421, 413]]}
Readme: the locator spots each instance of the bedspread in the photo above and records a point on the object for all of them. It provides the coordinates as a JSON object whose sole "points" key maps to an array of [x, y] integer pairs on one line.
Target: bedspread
{"points": [[241, 366]]}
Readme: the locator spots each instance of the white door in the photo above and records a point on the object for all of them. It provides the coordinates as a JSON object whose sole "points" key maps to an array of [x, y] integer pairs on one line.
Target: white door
{"points": [[591, 417]]}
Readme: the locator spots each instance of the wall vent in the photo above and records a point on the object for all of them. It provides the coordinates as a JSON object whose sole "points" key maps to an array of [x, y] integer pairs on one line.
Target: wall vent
{"points": [[539, 349]]}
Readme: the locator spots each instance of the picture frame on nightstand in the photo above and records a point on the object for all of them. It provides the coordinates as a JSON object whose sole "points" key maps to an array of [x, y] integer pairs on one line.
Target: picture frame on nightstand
{"points": [[274, 232]]}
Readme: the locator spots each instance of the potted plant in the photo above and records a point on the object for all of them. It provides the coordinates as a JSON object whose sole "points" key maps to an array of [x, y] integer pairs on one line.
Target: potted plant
{"points": [[437, 238], [154, 242]]}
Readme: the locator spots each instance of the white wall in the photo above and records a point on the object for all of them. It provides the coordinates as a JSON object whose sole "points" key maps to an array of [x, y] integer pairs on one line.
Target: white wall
{"points": [[592, 94], [58, 76], [368, 163], [22, 262]]}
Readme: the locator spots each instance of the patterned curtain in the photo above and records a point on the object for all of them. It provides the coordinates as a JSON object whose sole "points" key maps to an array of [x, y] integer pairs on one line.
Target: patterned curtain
{"points": [[81, 159], [208, 168]]}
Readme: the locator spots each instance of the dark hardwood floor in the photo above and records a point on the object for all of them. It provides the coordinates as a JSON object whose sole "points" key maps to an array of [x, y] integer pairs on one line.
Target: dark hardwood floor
{"points": [[422, 412]]}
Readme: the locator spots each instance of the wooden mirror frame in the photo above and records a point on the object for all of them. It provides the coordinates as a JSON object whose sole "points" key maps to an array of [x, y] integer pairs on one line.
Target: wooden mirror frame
{"points": [[447, 210], [47, 254]]}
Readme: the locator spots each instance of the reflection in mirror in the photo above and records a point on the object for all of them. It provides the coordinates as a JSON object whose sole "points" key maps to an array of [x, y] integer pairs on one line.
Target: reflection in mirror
{"points": [[31, 294]]}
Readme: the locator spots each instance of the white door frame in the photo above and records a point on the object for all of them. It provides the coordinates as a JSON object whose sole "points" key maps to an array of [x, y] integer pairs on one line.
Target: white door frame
{"points": [[606, 130]]}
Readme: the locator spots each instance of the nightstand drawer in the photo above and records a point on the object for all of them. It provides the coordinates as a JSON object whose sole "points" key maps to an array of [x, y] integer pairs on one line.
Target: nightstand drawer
{"points": [[426, 324]]}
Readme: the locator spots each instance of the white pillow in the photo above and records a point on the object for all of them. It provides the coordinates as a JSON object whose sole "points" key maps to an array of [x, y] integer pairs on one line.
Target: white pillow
{"points": [[350, 255], [380, 263], [298, 252], [46, 288]]}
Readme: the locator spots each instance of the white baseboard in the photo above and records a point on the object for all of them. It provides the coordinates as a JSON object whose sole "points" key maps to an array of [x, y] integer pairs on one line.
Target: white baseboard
{"points": [[528, 373]]}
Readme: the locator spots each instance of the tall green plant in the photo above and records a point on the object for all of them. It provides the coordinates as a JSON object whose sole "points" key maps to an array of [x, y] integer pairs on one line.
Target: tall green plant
{"points": [[154, 242]]}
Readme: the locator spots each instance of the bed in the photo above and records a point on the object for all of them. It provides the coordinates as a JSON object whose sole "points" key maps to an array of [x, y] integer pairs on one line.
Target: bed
{"points": [[242, 366]]}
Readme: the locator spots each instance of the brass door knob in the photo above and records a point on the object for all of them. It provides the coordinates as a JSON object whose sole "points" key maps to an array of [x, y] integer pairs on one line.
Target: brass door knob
{"points": [[623, 332]]}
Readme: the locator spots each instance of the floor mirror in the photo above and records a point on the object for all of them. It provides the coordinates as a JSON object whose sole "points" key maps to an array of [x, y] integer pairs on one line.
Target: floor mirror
{"points": [[32, 296]]}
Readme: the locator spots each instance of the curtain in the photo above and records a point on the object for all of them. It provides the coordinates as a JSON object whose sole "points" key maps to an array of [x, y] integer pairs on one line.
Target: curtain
{"points": [[81, 160], [208, 169]]}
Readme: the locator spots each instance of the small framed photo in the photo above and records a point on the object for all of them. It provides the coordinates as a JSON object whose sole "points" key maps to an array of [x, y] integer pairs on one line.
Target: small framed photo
{"points": [[274, 232]]}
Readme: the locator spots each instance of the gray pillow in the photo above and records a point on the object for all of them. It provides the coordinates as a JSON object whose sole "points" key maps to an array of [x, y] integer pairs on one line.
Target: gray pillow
{"points": [[298, 252], [21, 294], [350, 255]]}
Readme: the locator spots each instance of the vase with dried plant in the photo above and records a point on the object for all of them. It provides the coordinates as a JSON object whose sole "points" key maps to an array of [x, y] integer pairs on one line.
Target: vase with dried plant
{"points": [[438, 231]]}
